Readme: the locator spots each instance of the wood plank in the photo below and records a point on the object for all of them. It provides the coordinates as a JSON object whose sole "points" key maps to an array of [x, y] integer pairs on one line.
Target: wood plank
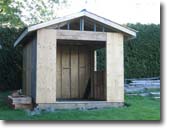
{"points": [[33, 68], [24, 71], [95, 60], [95, 85], [82, 70], [81, 35], [65, 72], [74, 72], [22, 106], [29, 53], [92, 72], [87, 71], [27, 70], [20, 100], [59, 71]]}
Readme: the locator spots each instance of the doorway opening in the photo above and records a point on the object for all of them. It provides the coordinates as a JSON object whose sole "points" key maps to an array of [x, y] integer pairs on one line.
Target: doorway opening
{"points": [[77, 78]]}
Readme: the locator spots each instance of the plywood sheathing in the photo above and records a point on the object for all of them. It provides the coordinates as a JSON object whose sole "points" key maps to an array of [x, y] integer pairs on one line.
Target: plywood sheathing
{"points": [[46, 66], [115, 67]]}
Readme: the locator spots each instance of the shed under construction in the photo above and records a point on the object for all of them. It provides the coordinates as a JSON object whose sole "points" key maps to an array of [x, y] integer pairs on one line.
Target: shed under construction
{"points": [[59, 61]]}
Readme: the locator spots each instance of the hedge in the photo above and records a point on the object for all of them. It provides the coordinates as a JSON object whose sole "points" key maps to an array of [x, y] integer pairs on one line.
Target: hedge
{"points": [[141, 55], [10, 59]]}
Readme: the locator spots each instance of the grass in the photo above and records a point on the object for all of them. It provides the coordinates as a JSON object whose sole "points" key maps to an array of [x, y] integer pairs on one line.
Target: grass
{"points": [[153, 90], [139, 108]]}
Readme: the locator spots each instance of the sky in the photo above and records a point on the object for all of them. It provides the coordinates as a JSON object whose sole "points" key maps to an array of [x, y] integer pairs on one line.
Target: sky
{"points": [[120, 11]]}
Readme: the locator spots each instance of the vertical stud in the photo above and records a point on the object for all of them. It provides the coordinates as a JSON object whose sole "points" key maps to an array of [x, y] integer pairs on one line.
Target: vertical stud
{"points": [[68, 26], [82, 24], [94, 27], [95, 60]]}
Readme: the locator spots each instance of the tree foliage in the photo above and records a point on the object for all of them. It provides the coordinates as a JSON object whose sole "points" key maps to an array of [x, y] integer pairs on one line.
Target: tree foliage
{"points": [[141, 55], [10, 59], [8, 14], [37, 11], [27, 12]]}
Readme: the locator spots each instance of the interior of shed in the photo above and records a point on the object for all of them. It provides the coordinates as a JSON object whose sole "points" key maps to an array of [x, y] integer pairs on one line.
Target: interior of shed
{"points": [[77, 76]]}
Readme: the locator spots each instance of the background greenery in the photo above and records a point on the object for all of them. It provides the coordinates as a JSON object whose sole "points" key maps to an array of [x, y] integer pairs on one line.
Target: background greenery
{"points": [[10, 59], [141, 55]]}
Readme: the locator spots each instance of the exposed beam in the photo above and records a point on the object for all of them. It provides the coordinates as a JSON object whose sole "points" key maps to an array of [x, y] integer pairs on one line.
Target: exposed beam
{"points": [[81, 35]]}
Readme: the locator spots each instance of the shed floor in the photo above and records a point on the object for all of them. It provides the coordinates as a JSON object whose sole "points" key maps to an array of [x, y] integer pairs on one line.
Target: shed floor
{"points": [[78, 100], [81, 105]]}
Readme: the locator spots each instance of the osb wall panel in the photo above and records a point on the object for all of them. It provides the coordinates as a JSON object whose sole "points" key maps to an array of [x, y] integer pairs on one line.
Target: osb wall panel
{"points": [[115, 68], [46, 66]]}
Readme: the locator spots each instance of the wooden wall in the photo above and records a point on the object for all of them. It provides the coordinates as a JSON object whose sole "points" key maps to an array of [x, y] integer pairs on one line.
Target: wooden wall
{"points": [[75, 67], [115, 67], [73, 71], [100, 85], [29, 68], [46, 66], [45, 78]]}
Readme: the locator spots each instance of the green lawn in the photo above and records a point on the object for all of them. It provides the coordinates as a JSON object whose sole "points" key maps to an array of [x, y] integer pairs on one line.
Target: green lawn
{"points": [[139, 108]]}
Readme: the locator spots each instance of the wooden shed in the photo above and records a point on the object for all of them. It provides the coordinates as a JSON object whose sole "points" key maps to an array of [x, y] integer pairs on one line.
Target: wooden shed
{"points": [[59, 61]]}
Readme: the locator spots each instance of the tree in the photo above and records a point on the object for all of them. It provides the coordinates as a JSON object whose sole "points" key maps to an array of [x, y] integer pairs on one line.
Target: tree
{"points": [[37, 11], [19, 13], [8, 14]]}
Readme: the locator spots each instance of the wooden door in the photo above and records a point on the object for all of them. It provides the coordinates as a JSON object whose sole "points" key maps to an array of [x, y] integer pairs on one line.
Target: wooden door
{"points": [[73, 71]]}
